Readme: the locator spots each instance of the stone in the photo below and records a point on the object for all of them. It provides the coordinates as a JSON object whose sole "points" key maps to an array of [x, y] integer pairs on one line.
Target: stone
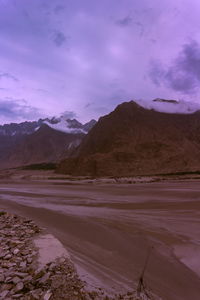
{"points": [[4, 294], [29, 260], [20, 274], [45, 278], [2, 254], [8, 256], [2, 278], [6, 286], [22, 264], [19, 286], [47, 295], [17, 296], [36, 294], [28, 278], [15, 251], [39, 273], [16, 279], [52, 266]]}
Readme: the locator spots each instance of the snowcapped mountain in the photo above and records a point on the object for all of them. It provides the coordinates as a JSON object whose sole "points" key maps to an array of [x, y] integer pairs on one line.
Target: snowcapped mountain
{"points": [[61, 123], [43, 141]]}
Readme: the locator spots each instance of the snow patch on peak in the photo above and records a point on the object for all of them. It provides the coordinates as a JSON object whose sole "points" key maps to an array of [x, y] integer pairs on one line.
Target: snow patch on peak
{"points": [[169, 106], [63, 125]]}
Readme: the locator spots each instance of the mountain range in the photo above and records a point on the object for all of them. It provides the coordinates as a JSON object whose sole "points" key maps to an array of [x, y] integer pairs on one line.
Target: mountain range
{"points": [[43, 141], [131, 140]]}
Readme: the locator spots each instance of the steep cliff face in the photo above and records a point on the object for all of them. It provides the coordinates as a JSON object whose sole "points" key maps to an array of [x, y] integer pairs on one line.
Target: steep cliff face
{"points": [[133, 140]]}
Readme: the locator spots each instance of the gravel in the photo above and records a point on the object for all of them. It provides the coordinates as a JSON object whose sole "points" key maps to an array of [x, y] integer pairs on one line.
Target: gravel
{"points": [[21, 278]]}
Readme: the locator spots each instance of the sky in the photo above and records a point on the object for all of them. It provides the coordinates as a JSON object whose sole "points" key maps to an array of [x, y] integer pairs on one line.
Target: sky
{"points": [[84, 57]]}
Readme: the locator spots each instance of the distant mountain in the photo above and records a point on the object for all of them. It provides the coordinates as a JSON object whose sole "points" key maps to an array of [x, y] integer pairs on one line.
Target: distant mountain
{"points": [[24, 128], [42, 141], [58, 123], [133, 140]]}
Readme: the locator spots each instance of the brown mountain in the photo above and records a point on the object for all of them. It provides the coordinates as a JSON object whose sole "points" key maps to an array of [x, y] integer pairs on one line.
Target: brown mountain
{"points": [[133, 140]]}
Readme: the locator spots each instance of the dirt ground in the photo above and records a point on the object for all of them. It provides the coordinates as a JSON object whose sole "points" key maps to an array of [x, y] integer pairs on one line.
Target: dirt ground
{"points": [[109, 229]]}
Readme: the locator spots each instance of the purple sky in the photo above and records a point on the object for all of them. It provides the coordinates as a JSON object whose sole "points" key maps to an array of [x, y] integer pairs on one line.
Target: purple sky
{"points": [[88, 56]]}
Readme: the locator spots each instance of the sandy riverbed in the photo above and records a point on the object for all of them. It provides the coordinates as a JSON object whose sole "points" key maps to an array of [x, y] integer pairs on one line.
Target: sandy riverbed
{"points": [[109, 229]]}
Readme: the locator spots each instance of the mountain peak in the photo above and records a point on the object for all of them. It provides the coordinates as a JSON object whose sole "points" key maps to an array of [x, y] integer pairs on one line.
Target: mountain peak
{"points": [[133, 140]]}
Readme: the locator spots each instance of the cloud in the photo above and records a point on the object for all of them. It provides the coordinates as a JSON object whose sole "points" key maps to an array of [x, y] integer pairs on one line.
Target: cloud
{"points": [[183, 75], [17, 109], [59, 38], [9, 76], [126, 21], [181, 106], [58, 9], [141, 27], [88, 104], [111, 42], [69, 115]]}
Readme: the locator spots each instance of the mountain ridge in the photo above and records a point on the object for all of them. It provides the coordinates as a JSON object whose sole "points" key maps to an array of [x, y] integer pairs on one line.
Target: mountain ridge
{"points": [[133, 140]]}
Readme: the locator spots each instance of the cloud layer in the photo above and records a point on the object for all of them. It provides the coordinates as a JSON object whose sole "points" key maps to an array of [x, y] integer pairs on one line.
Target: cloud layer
{"points": [[17, 110], [183, 75], [88, 56]]}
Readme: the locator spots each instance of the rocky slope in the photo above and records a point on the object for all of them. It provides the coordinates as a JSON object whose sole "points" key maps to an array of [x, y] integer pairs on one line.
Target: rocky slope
{"points": [[133, 140]]}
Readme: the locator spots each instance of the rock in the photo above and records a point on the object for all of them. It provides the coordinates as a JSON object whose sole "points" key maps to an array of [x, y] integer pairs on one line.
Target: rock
{"points": [[2, 278], [4, 294], [16, 279], [39, 273], [22, 264], [29, 260], [8, 256], [36, 294], [47, 295], [19, 286], [15, 251], [29, 278], [17, 296], [52, 266], [2, 254], [20, 274], [6, 286], [45, 278]]}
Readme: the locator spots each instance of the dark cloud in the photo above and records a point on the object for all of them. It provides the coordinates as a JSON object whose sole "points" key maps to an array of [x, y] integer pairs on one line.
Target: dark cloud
{"points": [[106, 45], [88, 104], [9, 76], [59, 38], [59, 8], [43, 91], [69, 114], [124, 21], [183, 75], [16, 109], [141, 27], [157, 72]]}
